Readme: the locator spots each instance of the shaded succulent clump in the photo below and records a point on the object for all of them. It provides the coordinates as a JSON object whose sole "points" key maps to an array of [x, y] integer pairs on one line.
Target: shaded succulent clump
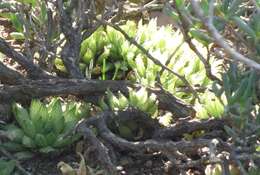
{"points": [[44, 128]]}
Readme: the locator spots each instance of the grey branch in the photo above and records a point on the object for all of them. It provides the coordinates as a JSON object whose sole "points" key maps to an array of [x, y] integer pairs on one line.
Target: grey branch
{"points": [[9, 76], [88, 88]]}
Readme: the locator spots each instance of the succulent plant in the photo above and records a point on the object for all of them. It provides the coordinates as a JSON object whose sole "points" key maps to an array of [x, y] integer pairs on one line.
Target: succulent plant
{"points": [[137, 99], [44, 128], [106, 51]]}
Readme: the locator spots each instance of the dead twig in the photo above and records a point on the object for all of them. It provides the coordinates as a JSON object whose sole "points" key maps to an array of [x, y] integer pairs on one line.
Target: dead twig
{"points": [[180, 128], [33, 70]]}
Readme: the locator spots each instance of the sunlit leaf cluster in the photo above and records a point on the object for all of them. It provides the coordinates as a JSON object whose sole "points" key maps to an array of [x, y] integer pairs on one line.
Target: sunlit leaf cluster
{"points": [[140, 99]]}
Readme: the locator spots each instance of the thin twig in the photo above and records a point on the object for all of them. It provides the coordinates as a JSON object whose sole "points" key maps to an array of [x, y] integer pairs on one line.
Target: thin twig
{"points": [[187, 38], [33, 70]]}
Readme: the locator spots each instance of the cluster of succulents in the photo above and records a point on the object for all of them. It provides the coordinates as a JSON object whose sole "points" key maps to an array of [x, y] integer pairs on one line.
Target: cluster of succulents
{"points": [[44, 128], [168, 47], [103, 54], [140, 100], [106, 54]]}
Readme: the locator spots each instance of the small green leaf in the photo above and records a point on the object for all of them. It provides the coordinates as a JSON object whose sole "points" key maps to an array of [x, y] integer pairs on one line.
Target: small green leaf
{"points": [[169, 11], [12, 146], [35, 115], [140, 66], [179, 3], [113, 100], [43, 13], [205, 6], [62, 142], [16, 22], [28, 142], [123, 102], [103, 105], [88, 56], [40, 140], [14, 133], [227, 85], [238, 93], [17, 35], [125, 132], [225, 6], [29, 2], [258, 149], [51, 138], [56, 115], [201, 36], [230, 131], [244, 26], [47, 149], [24, 121], [234, 7], [7, 167]]}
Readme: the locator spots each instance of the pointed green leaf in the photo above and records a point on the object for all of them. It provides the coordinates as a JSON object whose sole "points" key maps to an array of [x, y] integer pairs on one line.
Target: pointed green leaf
{"points": [[47, 149], [14, 133], [36, 116], [12, 146], [40, 140], [23, 120], [51, 138], [234, 7], [7, 167], [62, 142], [56, 116], [244, 26], [28, 142], [201, 36]]}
